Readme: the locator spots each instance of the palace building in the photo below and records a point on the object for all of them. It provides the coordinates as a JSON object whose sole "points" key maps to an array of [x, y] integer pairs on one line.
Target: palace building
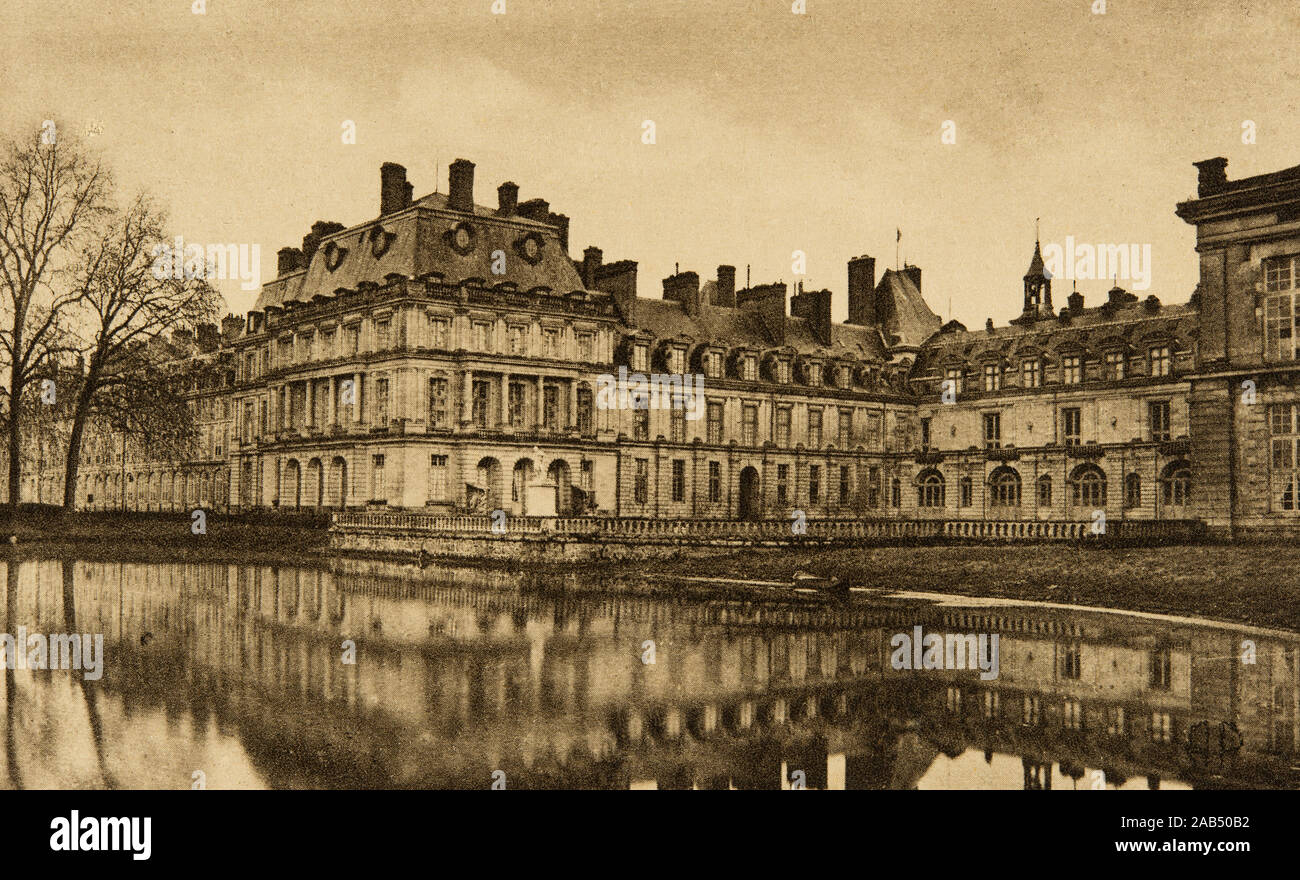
{"points": [[445, 356]]}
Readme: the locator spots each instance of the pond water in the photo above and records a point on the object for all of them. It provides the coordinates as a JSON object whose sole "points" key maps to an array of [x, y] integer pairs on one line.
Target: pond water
{"points": [[365, 674]]}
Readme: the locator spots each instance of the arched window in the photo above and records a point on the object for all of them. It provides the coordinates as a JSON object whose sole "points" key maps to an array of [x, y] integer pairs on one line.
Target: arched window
{"points": [[1004, 487], [1176, 484], [1132, 491], [1087, 486], [965, 492], [1045, 491], [930, 489]]}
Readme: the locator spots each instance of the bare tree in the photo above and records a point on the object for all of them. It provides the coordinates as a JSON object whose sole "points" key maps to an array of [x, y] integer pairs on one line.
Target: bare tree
{"points": [[51, 191], [125, 305]]}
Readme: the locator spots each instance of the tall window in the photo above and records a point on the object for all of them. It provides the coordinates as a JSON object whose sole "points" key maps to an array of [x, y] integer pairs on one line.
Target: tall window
{"points": [[749, 424], [1113, 365], [1072, 369], [954, 375], [677, 423], [814, 427], [641, 488], [965, 492], [677, 360], [782, 483], [714, 417], [896, 493], [482, 336], [1158, 418], [551, 342], [586, 421], [352, 339], [383, 335], [844, 484], [783, 426], [749, 368], [992, 430], [992, 377], [1031, 373], [1132, 491], [481, 392], [437, 477], [1284, 475], [551, 407], [679, 479], [516, 338], [439, 332], [586, 347], [713, 365], [925, 433], [640, 424], [1176, 484], [715, 482], [381, 401], [873, 487], [929, 490], [1045, 491], [516, 406], [814, 484], [1072, 425], [640, 356], [781, 369], [378, 490], [438, 402], [1161, 363], [1281, 281], [845, 434]]}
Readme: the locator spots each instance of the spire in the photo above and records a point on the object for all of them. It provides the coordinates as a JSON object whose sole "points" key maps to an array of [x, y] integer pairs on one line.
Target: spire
{"points": [[1037, 269], [1038, 287]]}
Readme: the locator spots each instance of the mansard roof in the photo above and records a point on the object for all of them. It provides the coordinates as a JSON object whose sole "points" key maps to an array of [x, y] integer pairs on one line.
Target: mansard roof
{"points": [[903, 313], [737, 327], [418, 241], [1092, 329]]}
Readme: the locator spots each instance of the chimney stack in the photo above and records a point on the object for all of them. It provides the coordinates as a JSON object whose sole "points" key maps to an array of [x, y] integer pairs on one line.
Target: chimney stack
{"points": [[1213, 176], [288, 259], [1075, 303], [814, 306], [394, 191], [507, 198], [685, 288], [862, 291], [724, 292], [312, 240], [591, 259], [460, 186]]}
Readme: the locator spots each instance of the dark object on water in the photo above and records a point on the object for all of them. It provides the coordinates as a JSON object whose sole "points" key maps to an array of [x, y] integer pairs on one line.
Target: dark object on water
{"points": [[832, 586]]}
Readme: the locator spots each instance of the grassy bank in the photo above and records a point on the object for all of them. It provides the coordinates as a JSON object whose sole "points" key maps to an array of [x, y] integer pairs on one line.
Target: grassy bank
{"points": [[1249, 584], [42, 531]]}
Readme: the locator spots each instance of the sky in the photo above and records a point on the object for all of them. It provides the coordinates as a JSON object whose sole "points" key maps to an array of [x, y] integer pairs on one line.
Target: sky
{"points": [[775, 132]]}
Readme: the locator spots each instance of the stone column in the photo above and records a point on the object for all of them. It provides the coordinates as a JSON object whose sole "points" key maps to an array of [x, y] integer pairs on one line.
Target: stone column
{"points": [[573, 403], [311, 403], [331, 415], [541, 402], [356, 398], [466, 401]]}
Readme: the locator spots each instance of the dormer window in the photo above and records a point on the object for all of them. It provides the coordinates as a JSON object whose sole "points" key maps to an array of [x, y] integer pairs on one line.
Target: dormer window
{"points": [[843, 377], [749, 368], [1161, 362], [677, 360], [992, 377], [1113, 365], [640, 356], [1031, 375], [814, 374], [781, 369], [1072, 369], [954, 375]]}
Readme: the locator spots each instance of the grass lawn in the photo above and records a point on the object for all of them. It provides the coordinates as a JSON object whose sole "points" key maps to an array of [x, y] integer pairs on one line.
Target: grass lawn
{"points": [[1248, 584]]}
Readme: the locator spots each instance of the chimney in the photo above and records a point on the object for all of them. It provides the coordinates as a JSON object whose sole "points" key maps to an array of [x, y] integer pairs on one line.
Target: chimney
{"points": [[288, 259], [862, 291], [207, 337], [768, 302], [507, 198], [814, 306], [394, 191], [460, 186], [914, 273], [1116, 296], [312, 240], [1075, 303], [232, 325], [619, 281], [1213, 176], [724, 291], [684, 287], [591, 258]]}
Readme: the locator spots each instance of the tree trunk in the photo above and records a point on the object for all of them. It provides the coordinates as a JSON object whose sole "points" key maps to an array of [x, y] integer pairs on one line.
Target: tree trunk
{"points": [[15, 444], [72, 461]]}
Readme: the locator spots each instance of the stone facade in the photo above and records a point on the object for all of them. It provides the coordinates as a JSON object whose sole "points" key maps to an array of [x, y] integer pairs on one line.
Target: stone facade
{"points": [[448, 357]]}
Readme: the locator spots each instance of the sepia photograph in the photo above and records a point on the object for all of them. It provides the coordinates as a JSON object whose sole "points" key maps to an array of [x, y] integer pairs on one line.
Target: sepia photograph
{"points": [[508, 395]]}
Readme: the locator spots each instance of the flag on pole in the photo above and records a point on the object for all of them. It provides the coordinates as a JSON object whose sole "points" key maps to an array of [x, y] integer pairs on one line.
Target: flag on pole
{"points": [[899, 237]]}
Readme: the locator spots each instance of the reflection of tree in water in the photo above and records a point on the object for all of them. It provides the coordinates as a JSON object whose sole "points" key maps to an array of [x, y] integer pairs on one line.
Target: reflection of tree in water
{"points": [[66, 567]]}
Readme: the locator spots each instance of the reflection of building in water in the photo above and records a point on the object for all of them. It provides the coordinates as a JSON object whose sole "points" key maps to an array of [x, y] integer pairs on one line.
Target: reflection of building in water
{"points": [[453, 681]]}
